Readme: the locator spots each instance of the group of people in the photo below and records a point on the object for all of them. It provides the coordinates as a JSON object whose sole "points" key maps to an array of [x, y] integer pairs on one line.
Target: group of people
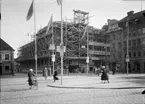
{"points": [[32, 81]]}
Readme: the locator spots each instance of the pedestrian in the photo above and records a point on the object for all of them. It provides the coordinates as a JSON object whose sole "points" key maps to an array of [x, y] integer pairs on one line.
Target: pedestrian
{"points": [[31, 76], [104, 76], [97, 70], [113, 70], [13, 72], [45, 73], [143, 92], [55, 76]]}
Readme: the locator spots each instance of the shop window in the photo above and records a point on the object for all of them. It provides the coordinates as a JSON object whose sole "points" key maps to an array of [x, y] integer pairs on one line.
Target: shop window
{"points": [[7, 57]]}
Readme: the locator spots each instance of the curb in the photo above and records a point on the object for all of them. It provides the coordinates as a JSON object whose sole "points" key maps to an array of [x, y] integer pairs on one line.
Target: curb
{"points": [[77, 87]]}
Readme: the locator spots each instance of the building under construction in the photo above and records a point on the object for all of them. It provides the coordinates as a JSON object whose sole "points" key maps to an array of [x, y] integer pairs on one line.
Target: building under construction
{"points": [[80, 40]]}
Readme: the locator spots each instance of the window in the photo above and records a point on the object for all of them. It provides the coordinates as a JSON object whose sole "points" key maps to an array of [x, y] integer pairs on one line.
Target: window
{"points": [[113, 44], [134, 42], [0, 57], [143, 41], [139, 31], [143, 30], [114, 36], [130, 43], [7, 57], [125, 44], [130, 34], [129, 54], [139, 53], [138, 42], [144, 53], [119, 45], [134, 34], [134, 54]]}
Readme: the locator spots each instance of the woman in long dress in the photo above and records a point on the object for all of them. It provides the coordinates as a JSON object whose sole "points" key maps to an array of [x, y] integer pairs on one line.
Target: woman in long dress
{"points": [[30, 78], [104, 76]]}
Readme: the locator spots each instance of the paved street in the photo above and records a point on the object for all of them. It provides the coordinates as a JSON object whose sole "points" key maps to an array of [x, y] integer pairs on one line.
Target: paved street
{"points": [[76, 89]]}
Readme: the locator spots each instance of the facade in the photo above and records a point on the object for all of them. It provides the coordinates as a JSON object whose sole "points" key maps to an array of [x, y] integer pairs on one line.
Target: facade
{"points": [[113, 36], [133, 26], [127, 38], [76, 48], [6, 58]]}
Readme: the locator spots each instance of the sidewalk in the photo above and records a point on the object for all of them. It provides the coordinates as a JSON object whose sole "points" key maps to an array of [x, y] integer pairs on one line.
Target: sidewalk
{"points": [[118, 81]]}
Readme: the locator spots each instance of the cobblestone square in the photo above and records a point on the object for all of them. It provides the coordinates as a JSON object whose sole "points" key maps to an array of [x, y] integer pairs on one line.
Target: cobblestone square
{"points": [[80, 89]]}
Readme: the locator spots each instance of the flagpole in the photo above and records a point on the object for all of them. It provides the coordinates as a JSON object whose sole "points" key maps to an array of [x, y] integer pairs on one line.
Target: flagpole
{"points": [[53, 45], [62, 46], [35, 37]]}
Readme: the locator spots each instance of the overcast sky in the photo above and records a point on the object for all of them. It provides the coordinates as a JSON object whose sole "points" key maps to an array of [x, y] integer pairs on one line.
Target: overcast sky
{"points": [[14, 27]]}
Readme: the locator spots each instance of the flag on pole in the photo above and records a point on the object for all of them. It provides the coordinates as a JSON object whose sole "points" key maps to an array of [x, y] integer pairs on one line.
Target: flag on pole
{"points": [[49, 25], [30, 12], [59, 2]]}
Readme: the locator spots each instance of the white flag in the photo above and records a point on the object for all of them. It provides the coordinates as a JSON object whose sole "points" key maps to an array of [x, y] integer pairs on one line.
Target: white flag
{"points": [[49, 25]]}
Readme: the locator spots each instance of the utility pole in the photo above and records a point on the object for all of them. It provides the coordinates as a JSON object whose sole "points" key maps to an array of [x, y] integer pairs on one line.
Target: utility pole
{"points": [[127, 38], [87, 46]]}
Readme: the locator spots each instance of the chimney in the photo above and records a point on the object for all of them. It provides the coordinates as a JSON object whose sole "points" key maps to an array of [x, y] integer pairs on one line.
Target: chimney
{"points": [[130, 13]]}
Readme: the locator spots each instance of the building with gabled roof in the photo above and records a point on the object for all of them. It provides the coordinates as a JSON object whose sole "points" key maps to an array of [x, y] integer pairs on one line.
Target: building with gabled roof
{"points": [[6, 57]]}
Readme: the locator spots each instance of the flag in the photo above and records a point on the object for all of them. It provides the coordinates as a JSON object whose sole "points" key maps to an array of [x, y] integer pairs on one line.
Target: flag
{"points": [[30, 12], [59, 2], [49, 25]]}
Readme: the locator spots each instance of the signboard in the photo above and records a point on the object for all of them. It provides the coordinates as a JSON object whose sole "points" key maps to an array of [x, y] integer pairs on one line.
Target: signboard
{"points": [[53, 58], [59, 49], [127, 58], [87, 59], [52, 47]]}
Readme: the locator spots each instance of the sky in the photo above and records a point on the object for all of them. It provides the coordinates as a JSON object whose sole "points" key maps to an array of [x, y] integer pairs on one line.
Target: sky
{"points": [[15, 28]]}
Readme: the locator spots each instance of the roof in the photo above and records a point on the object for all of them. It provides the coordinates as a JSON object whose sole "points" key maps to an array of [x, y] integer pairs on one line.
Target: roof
{"points": [[133, 16], [5, 46]]}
